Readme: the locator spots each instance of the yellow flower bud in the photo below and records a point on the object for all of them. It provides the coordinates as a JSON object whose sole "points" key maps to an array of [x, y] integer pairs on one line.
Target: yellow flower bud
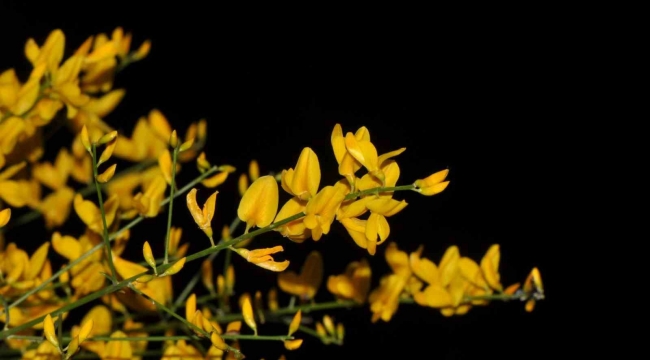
{"points": [[259, 204], [253, 170], [107, 175], [242, 184], [247, 312], [292, 344], [174, 268], [207, 275], [295, 323], [273, 299], [186, 145], [105, 139], [202, 163], [85, 139], [233, 327], [329, 325], [148, 256], [173, 139], [49, 331], [5, 215], [217, 341], [107, 153]]}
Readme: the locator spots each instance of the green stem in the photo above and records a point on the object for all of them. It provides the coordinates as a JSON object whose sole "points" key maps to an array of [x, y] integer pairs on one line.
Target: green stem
{"points": [[292, 310], [113, 236], [35, 214], [378, 190], [195, 279], [180, 318], [171, 204], [160, 269], [107, 243]]}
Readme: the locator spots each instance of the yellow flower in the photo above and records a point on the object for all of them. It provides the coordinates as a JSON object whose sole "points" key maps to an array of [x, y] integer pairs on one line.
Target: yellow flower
{"points": [[55, 207], [5, 215], [92, 216], [202, 217], [307, 283], [321, 210], [296, 229], [385, 299], [143, 144], [259, 204], [490, 267], [354, 283], [247, 312], [304, 180], [433, 184], [533, 288], [54, 176], [262, 258]]}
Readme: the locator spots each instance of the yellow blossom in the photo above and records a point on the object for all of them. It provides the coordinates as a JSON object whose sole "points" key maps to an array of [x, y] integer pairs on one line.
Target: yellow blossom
{"points": [[247, 312], [321, 210], [5, 215], [354, 283], [433, 184], [259, 204], [304, 180], [56, 206], [262, 258], [202, 217], [385, 299], [92, 216], [307, 283]]}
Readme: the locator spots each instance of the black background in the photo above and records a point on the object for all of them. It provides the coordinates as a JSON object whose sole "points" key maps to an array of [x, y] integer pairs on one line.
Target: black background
{"points": [[478, 97]]}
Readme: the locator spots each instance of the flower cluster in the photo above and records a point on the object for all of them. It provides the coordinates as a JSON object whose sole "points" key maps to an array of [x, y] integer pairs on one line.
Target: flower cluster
{"points": [[91, 210]]}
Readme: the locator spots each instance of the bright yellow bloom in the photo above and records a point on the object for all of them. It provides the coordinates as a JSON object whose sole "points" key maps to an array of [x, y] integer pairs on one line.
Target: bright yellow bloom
{"points": [[304, 180], [92, 216], [295, 323], [56, 206], [5, 215], [307, 283], [534, 288], [263, 259], [259, 204], [490, 267], [321, 210], [144, 143], [385, 299], [354, 283], [247, 312], [294, 230], [49, 331], [54, 176], [202, 217], [433, 184]]}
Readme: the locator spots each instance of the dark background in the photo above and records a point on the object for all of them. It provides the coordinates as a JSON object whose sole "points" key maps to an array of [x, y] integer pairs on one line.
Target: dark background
{"points": [[480, 98]]}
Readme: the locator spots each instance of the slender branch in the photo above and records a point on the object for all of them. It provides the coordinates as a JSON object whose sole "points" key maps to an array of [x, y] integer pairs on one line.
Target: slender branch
{"points": [[112, 237], [35, 214], [107, 243], [195, 279], [160, 269], [171, 204], [378, 190]]}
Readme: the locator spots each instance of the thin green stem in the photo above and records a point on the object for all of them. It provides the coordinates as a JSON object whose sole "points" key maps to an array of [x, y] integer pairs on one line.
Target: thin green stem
{"points": [[107, 243], [379, 190], [314, 333], [292, 310], [171, 204], [113, 236], [160, 269], [180, 318], [35, 214], [195, 279]]}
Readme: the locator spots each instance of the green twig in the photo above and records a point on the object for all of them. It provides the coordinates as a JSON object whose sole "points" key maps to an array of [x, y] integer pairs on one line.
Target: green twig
{"points": [[171, 204], [107, 243], [112, 237], [379, 190]]}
